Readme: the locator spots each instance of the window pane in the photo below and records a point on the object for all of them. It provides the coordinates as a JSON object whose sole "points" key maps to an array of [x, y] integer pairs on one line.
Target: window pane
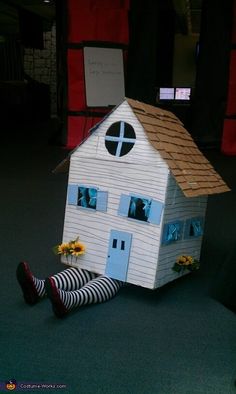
{"points": [[139, 208], [126, 147], [195, 228], [92, 197], [111, 147], [114, 130], [129, 131], [87, 197], [114, 243], [172, 232]]}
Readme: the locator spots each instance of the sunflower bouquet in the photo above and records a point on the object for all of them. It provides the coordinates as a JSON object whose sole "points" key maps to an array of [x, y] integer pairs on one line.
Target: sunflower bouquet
{"points": [[186, 263], [71, 248]]}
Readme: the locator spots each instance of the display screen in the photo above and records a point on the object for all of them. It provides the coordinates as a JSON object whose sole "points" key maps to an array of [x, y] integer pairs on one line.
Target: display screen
{"points": [[174, 94], [167, 94], [182, 93]]}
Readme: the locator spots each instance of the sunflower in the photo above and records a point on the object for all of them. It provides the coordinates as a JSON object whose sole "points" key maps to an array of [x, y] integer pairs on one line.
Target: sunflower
{"points": [[63, 249], [76, 248], [186, 262]]}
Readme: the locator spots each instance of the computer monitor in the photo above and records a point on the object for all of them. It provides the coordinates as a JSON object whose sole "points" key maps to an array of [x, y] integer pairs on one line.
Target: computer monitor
{"points": [[171, 95], [182, 94], [166, 93]]}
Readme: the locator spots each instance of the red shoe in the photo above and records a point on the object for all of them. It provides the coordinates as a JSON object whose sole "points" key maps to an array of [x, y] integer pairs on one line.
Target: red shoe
{"points": [[25, 279], [53, 294]]}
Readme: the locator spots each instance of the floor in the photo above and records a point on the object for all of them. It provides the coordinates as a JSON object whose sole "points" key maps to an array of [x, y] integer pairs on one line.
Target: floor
{"points": [[176, 340]]}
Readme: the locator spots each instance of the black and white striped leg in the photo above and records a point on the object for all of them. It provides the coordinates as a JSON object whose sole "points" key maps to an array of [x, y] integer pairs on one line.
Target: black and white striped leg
{"points": [[72, 278], [98, 290], [34, 288], [39, 284]]}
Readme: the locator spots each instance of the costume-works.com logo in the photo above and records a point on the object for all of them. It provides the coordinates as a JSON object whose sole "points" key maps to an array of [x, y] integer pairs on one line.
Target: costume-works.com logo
{"points": [[11, 385]]}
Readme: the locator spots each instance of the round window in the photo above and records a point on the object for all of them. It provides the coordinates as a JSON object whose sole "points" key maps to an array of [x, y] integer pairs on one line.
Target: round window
{"points": [[120, 138]]}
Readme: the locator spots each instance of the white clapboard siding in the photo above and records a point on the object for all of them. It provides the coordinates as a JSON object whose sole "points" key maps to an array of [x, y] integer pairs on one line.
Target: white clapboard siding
{"points": [[118, 178], [178, 207], [94, 231], [93, 227]]}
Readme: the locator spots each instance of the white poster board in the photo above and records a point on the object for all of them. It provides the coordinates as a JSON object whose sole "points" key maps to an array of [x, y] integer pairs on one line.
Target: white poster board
{"points": [[104, 76]]}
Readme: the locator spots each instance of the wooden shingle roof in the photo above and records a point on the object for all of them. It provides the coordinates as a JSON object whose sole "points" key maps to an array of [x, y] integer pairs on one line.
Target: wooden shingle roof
{"points": [[192, 171]]}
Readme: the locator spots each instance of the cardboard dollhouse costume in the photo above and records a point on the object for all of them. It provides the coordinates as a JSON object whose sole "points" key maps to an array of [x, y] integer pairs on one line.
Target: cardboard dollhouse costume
{"points": [[136, 198], [137, 195]]}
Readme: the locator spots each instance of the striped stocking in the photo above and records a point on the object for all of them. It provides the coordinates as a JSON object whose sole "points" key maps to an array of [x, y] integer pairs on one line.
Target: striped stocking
{"points": [[72, 278], [34, 288], [98, 290]]}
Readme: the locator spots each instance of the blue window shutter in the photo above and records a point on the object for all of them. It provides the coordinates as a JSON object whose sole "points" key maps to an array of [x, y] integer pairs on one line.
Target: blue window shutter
{"points": [[124, 205], [155, 212], [102, 197], [72, 194]]}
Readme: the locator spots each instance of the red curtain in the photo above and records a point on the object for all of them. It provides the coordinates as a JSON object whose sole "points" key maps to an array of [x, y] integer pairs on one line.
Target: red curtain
{"points": [[228, 145], [231, 101], [79, 127], [97, 21], [76, 83]]}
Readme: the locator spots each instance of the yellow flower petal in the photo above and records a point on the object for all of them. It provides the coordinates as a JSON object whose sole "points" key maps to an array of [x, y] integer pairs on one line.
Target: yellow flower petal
{"points": [[77, 248]]}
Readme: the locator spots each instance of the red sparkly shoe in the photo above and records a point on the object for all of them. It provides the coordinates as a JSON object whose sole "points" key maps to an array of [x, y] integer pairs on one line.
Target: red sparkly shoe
{"points": [[25, 280], [53, 294]]}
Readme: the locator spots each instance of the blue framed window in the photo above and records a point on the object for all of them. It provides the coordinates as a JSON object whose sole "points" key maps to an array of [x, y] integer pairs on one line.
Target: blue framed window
{"points": [[194, 227], [172, 232], [87, 197], [120, 138], [140, 208]]}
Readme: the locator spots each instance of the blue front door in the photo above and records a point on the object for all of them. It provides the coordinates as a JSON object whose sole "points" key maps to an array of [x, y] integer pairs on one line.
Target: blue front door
{"points": [[118, 254]]}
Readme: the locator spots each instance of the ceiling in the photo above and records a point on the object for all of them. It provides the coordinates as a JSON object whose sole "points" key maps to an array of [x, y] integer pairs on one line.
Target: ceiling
{"points": [[9, 24], [188, 14]]}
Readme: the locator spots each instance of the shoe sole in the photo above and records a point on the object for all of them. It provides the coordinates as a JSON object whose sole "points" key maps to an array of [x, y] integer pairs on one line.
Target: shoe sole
{"points": [[25, 280], [58, 307]]}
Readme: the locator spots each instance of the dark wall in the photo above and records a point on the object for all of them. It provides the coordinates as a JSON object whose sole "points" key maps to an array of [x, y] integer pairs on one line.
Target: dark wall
{"points": [[212, 71], [150, 61], [11, 64], [151, 49]]}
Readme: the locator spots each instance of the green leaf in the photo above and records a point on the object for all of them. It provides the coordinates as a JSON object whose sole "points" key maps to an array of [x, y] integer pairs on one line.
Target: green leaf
{"points": [[176, 268], [55, 249]]}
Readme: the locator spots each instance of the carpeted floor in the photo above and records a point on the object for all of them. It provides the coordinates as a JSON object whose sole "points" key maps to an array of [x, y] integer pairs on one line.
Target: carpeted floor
{"points": [[179, 339]]}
